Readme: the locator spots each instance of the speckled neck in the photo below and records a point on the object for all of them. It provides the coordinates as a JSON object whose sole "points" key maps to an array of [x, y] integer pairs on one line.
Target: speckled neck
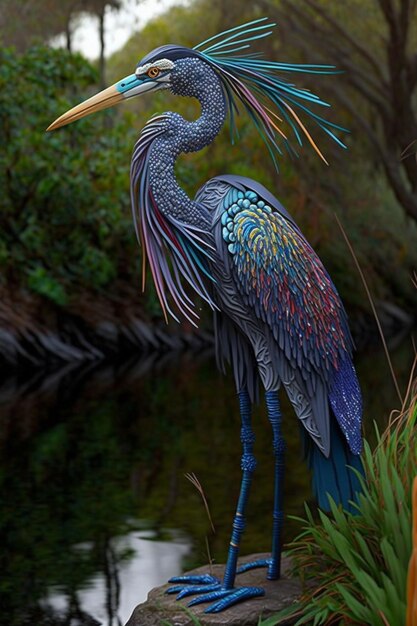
{"points": [[192, 78]]}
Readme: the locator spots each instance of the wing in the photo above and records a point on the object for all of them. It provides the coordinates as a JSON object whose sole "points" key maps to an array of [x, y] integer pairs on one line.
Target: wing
{"points": [[281, 278]]}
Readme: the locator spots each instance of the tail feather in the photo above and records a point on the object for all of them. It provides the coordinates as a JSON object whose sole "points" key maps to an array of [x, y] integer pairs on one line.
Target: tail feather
{"points": [[333, 476]]}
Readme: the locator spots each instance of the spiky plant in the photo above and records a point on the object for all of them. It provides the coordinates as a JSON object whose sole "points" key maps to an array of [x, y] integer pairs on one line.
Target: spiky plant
{"points": [[358, 561]]}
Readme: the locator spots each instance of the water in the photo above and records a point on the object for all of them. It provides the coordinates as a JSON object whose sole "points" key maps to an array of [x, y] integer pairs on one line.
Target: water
{"points": [[95, 506], [111, 595]]}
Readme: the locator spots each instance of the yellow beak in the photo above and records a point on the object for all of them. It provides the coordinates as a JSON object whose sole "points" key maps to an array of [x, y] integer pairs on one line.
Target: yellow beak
{"points": [[106, 98], [128, 87]]}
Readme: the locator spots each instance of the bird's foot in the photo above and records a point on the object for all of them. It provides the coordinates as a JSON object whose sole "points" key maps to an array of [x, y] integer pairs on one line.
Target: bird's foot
{"points": [[190, 585], [273, 567], [211, 589]]}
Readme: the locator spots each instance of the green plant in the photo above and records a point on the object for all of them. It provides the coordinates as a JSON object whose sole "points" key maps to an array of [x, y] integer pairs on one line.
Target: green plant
{"points": [[65, 220], [357, 563]]}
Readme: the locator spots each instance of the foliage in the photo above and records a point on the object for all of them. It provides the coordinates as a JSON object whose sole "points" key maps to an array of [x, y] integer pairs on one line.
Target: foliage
{"points": [[36, 22], [411, 616], [64, 208], [383, 238], [65, 218], [357, 564]]}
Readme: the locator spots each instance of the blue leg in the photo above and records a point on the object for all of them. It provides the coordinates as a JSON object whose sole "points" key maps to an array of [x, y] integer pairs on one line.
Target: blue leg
{"points": [[248, 464], [274, 563], [225, 593], [274, 414]]}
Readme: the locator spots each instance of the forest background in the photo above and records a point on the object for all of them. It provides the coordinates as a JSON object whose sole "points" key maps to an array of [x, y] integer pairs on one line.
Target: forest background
{"points": [[67, 245]]}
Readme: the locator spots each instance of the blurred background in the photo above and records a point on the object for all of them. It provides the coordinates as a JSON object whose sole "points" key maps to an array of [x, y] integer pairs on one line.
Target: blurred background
{"points": [[104, 408]]}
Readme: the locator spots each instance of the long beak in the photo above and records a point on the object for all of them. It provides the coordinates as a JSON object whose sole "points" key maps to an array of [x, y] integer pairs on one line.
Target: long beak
{"points": [[126, 88]]}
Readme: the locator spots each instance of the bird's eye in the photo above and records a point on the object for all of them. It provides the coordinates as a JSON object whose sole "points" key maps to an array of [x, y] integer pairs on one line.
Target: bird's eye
{"points": [[153, 72]]}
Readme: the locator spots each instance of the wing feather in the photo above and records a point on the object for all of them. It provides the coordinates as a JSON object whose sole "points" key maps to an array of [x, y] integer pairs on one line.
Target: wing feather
{"points": [[281, 279]]}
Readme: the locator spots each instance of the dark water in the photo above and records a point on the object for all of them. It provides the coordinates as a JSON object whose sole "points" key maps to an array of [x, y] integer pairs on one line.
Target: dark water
{"points": [[95, 508]]}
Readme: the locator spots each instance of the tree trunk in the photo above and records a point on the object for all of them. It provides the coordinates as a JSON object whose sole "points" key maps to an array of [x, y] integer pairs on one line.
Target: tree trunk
{"points": [[68, 35], [102, 60]]}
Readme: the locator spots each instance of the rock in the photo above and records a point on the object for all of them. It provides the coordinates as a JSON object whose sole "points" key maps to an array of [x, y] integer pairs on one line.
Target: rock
{"points": [[161, 608]]}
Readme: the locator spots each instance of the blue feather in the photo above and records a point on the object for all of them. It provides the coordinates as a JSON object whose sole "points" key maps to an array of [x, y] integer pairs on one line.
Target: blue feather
{"points": [[333, 476], [231, 30], [229, 43], [249, 72], [191, 252]]}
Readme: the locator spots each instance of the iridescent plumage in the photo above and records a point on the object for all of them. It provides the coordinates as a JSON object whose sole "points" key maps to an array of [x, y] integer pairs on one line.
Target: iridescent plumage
{"points": [[174, 248], [278, 319]]}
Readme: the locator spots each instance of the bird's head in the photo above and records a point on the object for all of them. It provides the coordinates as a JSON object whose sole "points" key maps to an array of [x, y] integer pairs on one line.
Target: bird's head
{"points": [[168, 67], [246, 79]]}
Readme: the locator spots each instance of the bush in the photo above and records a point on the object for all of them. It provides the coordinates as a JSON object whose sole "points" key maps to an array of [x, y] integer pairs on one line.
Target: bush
{"points": [[65, 206]]}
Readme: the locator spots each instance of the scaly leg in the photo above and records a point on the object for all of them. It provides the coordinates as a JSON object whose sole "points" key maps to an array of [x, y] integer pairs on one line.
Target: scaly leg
{"points": [[274, 563], [225, 593], [248, 464]]}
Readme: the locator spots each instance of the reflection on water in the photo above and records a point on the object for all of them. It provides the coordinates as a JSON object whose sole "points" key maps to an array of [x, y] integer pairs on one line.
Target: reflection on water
{"points": [[147, 563], [86, 454]]}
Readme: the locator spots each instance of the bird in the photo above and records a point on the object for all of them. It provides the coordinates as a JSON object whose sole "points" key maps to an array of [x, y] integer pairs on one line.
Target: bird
{"points": [[278, 319]]}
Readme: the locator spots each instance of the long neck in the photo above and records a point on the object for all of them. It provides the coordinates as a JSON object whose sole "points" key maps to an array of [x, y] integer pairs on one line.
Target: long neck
{"points": [[183, 136]]}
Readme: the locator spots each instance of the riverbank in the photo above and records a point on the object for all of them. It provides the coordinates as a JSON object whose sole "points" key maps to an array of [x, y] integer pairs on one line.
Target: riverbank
{"points": [[34, 331], [95, 327]]}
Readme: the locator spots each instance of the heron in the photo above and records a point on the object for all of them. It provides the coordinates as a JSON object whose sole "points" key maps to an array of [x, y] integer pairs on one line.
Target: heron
{"points": [[278, 319]]}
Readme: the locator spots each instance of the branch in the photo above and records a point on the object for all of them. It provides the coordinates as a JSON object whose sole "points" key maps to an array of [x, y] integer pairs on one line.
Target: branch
{"points": [[388, 10], [392, 166], [325, 39], [345, 35], [355, 76]]}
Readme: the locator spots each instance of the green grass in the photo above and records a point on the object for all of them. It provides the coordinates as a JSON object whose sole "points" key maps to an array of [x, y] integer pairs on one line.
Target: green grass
{"points": [[359, 562]]}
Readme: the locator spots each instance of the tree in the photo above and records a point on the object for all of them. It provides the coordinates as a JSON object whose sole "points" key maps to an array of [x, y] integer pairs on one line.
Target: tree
{"points": [[24, 23], [64, 206], [98, 8], [34, 21], [375, 45]]}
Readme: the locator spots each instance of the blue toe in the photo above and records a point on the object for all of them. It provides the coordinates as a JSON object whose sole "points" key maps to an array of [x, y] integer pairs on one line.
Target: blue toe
{"points": [[208, 597], [209, 588], [191, 591], [174, 589], [203, 579], [253, 565], [237, 595]]}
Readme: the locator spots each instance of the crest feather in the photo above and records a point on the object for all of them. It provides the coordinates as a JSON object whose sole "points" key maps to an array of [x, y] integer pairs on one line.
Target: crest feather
{"points": [[254, 82]]}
